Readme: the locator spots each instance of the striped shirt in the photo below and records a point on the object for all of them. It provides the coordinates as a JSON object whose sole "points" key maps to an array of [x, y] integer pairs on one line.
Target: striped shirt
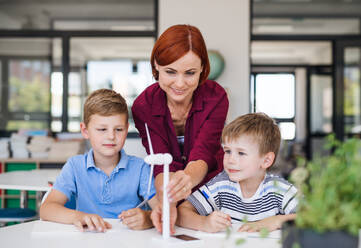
{"points": [[274, 196]]}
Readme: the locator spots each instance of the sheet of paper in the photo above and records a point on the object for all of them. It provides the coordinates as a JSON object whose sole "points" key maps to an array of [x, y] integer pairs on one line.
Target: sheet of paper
{"points": [[52, 227], [272, 235]]}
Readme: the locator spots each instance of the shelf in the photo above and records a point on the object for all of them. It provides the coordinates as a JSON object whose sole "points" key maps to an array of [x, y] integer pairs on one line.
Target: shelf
{"points": [[6, 196], [32, 160], [10, 197]]}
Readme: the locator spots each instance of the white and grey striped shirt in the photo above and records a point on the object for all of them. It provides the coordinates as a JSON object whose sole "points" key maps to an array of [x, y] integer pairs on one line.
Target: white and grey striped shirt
{"points": [[274, 196]]}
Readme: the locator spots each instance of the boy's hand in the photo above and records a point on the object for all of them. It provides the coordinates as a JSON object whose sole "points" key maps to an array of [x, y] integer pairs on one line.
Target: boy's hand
{"points": [[136, 219], [93, 221], [216, 221], [156, 217], [270, 223]]}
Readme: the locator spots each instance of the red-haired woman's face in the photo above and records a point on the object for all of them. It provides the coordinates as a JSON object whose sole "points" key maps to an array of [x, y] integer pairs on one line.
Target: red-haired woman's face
{"points": [[180, 78]]}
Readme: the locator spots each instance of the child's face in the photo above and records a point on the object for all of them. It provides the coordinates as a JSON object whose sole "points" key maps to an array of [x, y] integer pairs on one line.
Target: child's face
{"points": [[242, 160], [106, 134]]}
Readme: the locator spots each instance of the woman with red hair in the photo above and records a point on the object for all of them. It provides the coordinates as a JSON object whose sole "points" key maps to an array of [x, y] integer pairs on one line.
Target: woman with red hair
{"points": [[184, 111]]}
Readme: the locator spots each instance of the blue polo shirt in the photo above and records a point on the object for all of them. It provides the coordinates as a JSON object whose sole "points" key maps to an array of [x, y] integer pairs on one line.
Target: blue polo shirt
{"points": [[97, 193]]}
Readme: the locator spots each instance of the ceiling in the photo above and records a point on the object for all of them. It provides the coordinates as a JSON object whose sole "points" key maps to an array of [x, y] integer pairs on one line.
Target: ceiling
{"points": [[82, 50], [291, 52], [306, 26], [301, 17], [270, 17], [39, 14], [304, 8]]}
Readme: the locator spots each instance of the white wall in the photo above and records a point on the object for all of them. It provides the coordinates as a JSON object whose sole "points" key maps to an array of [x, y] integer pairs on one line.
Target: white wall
{"points": [[134, 146], [225, 27]]}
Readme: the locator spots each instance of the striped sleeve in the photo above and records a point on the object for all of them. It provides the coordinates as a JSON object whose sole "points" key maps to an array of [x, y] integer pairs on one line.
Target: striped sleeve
{"points": [[203, 201], [290, 201]]}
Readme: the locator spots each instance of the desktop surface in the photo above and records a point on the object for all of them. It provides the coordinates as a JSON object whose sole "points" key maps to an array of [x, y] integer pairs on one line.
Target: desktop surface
{"points": [[49, 234]]}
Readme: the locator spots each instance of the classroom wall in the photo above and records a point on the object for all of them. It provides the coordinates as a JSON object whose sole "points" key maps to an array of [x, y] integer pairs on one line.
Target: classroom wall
{"points": [[134, 146], [225, 26]]}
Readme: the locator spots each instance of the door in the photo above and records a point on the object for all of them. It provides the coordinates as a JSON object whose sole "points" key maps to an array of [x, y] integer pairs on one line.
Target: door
{"points": [[319, 109], [348, 89]]}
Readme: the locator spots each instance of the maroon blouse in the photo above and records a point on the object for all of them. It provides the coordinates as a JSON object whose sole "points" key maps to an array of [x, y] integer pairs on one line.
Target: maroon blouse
{"points": [[203, 129]]}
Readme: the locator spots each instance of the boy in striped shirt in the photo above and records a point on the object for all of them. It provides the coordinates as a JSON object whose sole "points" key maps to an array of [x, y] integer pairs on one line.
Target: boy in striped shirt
{"points": [[243, 191]]}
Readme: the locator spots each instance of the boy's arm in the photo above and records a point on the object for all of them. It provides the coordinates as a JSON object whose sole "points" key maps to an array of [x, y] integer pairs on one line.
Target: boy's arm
{"points": [[188, 217], [136, 218], [53, 210], [270, 223]]}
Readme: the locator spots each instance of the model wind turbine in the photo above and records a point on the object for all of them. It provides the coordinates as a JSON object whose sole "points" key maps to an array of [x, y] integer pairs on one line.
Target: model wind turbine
{"points": [[161, 159]]}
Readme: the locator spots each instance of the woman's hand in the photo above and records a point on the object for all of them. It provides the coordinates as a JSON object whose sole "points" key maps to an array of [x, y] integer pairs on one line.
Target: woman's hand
{"points": [[156, 217], [179, 186]]}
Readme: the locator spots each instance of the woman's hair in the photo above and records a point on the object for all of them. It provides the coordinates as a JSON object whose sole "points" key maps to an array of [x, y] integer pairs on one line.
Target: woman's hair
{"points": [[174, 43], [104, 102]]}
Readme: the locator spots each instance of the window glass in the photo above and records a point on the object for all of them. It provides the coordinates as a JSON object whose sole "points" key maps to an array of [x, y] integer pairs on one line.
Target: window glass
{"points": [[321, 103], [275, 95], [288, 130], [29, 85], [16, 125], [352, 99], [56, 126], [56, 94], [118, 63]]}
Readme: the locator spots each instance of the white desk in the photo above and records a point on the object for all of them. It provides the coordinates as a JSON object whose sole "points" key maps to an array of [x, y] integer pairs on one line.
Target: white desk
{"points": [[36, 180], [48, 234]]}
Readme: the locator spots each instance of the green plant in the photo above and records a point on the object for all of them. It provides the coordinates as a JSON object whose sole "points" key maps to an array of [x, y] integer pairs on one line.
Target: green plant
{"points": [[331, 191]]}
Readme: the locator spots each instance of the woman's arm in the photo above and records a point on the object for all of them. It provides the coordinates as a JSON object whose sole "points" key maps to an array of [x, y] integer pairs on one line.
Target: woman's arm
{"points": [[207, 142], [183, 181]]}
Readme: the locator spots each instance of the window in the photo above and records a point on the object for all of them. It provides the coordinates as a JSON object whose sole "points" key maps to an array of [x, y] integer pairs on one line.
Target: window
{"points": [[27, 94], [110, 34], [25, 83], [124, 76], [274, 95], [29, 86]]}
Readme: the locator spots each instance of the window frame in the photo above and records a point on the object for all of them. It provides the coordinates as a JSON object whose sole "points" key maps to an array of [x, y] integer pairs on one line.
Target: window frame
{"points": [[253, 101]]}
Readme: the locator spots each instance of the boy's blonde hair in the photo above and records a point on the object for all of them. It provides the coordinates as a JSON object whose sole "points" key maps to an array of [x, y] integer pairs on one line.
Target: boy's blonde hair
{"points": [[262, 128], [104, 102]]}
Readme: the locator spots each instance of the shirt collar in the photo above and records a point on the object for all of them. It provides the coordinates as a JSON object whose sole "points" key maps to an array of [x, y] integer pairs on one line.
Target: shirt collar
{"points": [[122, 164], [161, 107]]}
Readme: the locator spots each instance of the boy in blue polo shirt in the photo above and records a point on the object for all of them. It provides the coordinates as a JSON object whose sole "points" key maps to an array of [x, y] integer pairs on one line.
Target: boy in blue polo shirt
{"points": [[106, 182]]}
